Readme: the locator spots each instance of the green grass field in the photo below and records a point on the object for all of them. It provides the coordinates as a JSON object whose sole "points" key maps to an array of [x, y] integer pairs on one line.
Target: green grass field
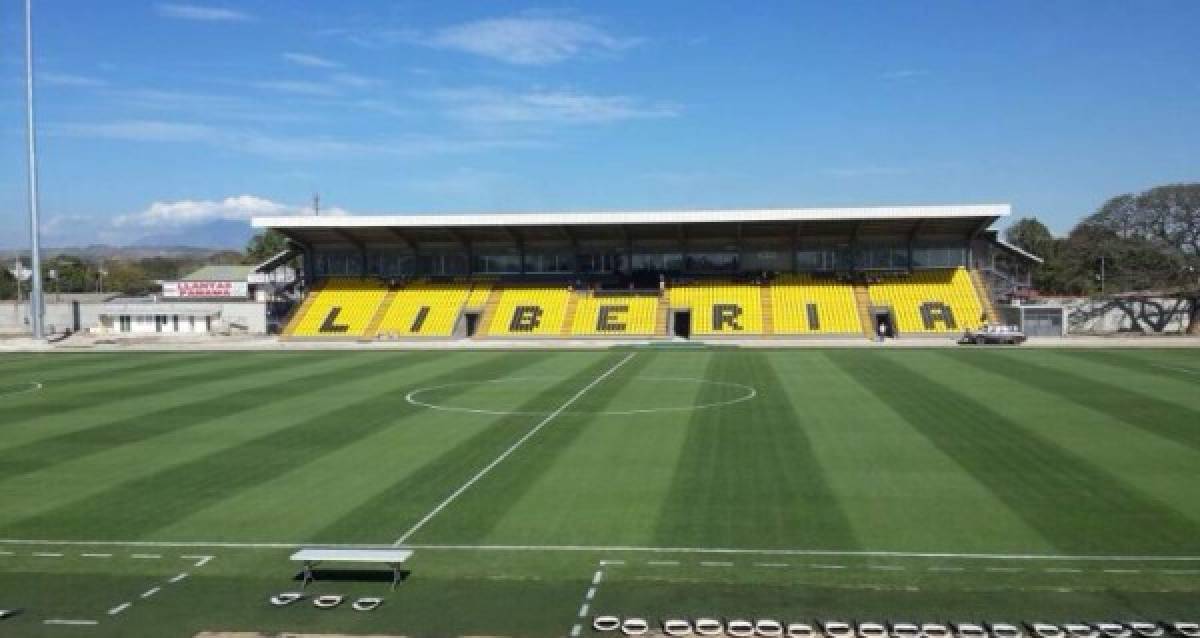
{"points": [[925, 484]]}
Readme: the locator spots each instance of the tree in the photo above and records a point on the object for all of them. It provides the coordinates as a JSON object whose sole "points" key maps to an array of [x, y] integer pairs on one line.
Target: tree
{"points": [[1032, 235], [265, 245]]}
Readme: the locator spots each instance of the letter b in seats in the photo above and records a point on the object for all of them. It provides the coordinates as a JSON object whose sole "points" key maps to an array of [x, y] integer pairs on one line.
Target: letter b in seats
{"points": [[608, 320], [525, 319], [726, 315]]}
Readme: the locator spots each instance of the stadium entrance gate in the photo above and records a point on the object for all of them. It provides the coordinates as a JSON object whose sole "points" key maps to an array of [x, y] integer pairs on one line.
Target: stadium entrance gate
{"points": [[682, 324], [883, 317]]}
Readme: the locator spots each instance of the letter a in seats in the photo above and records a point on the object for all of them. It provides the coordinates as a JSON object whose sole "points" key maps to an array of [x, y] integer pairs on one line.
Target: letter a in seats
{"points": [[330, 324], [726, 315], [525, 319], [607, 319]]}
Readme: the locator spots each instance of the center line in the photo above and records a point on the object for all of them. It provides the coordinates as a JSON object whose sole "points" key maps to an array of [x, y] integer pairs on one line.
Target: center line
{"points": [[512, 448]]}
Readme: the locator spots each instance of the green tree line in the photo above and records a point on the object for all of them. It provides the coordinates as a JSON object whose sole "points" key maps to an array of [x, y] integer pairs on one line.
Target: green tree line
{"points": [[1149, 241]]}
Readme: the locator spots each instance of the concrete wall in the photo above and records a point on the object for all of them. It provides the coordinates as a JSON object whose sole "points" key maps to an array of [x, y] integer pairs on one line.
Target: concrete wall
{"points": [[247, 317], [1108, 316]]}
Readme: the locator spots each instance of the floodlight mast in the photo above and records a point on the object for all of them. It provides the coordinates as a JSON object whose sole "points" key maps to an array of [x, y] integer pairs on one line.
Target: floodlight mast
{"points": [[35, 252]]}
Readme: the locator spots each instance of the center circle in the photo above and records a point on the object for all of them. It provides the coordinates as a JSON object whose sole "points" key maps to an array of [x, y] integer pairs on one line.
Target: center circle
{"points": [[421, 397]]}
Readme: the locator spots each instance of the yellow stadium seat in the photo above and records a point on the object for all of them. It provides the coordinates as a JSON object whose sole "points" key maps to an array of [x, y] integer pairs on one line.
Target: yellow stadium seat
{"points": [[930, 301], [426, 309], [615, 314], [341, 307], [721, 307], [533, 310], [802, 304]]}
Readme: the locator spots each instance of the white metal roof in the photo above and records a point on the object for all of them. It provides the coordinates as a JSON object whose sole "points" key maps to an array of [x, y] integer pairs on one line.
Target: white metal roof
{"points": [[359, 555], [636, 217], [1018, 250]]}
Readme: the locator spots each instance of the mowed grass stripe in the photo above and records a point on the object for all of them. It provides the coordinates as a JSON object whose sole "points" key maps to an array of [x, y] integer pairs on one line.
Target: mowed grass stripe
{"points": [[190, 430], [1079, 507], [61, 382], [71, 371], [154, 501], [476, 513], [247, 388], [748, 477], [890, 479], [142, 386], [1094, 436], [1142, 411], [606, 488], [1159, 368], [298, 502], [407, 500]]}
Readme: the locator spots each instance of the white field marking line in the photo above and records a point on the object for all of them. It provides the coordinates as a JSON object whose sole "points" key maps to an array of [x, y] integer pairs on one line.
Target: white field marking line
{"points": [[201, 561], [59, 621], [1122, 571], [598, 576], [828, 566], [5, 553], [178, 578], [96, 555], [150, 592], [1180, 571], [513, 448], [751, 393], [144, 556], [1175, 369], [715, 564], [947, 569], [770, 564], [1062, 570], [1116, 558], [119, 608], [887, 568], [34, 386], [1003, 569], [47, 554], [663, 563]]}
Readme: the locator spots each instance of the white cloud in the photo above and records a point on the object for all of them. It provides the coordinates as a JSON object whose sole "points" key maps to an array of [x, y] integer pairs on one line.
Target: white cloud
{"points": [[305, 59], [564, 107], [525, 40], [355, 80], [201, 13], [49, 78], [190, 212], [290, 148], [904, 74], [299, 87]]}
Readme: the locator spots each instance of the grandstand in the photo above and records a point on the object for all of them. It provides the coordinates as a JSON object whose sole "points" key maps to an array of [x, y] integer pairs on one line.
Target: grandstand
{"points": [[905, 271]]}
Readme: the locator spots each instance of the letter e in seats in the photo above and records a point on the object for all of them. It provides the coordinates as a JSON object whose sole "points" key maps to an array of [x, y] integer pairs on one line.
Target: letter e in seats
{"points": [[608, 319]]}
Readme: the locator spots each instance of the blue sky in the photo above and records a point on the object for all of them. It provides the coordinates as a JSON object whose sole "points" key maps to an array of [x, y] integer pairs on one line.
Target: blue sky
{"points": [[156, 117]]}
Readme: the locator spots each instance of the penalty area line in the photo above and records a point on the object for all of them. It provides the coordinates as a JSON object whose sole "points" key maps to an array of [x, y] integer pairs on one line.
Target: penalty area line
{"points": [[512, 448]]}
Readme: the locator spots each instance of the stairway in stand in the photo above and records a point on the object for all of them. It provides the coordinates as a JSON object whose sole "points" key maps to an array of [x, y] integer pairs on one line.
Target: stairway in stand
{"points": [[664, 311], [569, 314], [489, 310], [380, 312], [985, 297], [768, 309], [862, 299], [289, 325]]}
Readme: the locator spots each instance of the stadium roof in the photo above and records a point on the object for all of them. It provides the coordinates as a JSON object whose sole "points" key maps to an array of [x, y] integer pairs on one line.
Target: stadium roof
{"points": [[637, 217], [964, 220]]}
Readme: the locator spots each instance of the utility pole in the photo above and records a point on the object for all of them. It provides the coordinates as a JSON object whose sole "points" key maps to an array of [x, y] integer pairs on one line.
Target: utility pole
{"points": [[316, 204], [35, 293], [1102, 274]]}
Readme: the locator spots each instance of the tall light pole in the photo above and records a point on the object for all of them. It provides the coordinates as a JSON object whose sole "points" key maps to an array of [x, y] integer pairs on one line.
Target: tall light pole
{"points": [[35, 292]]}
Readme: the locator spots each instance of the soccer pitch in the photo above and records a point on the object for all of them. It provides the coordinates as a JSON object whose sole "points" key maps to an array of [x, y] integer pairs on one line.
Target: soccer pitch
{"points": [[161, 494]]}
